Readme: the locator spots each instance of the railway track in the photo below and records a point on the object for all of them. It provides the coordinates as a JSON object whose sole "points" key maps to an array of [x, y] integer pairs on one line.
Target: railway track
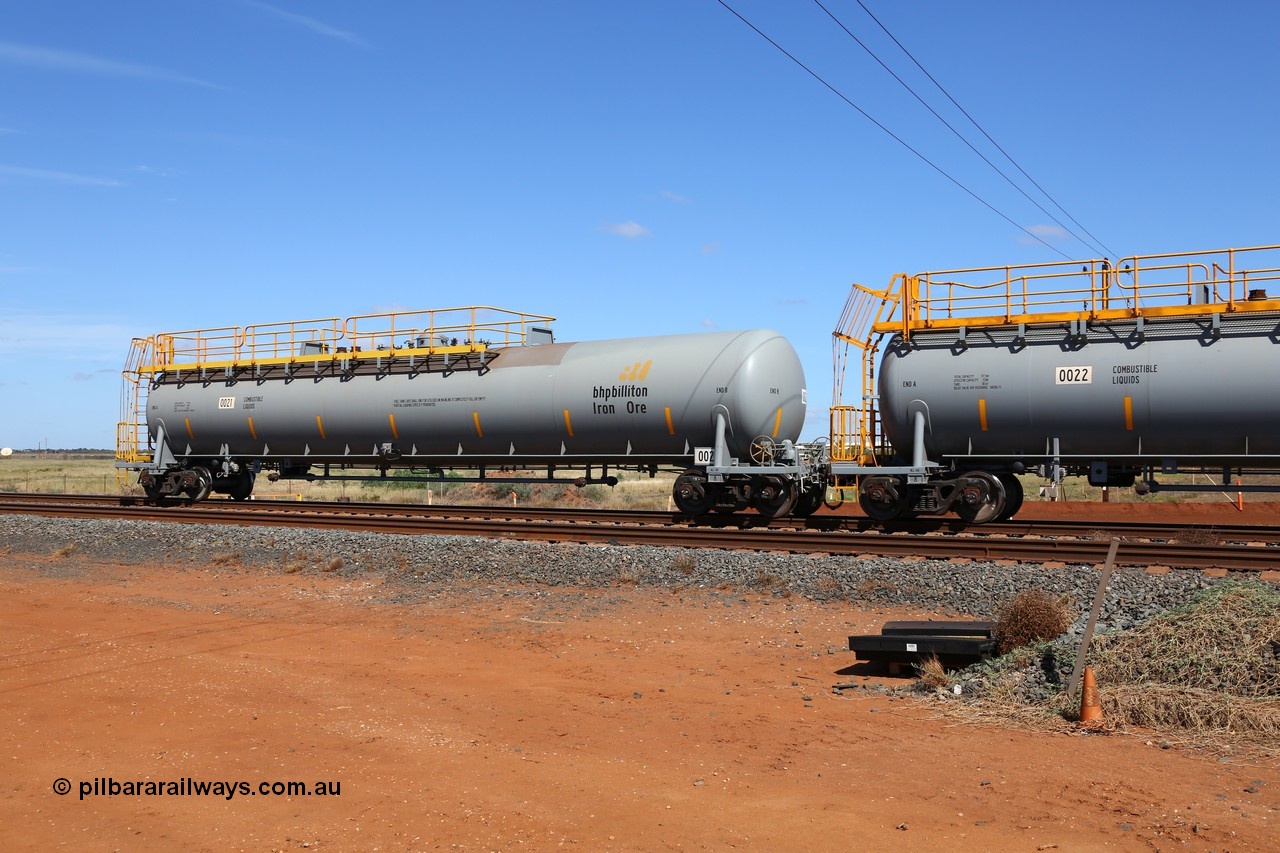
{"points": [[1250, 548]]}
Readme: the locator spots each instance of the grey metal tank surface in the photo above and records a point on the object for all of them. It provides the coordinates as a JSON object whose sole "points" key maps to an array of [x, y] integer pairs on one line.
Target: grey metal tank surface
{"points": [[1182, 389], [628, 401]]}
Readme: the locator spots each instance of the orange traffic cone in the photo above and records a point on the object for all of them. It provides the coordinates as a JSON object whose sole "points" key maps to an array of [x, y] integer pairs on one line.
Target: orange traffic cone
{"points": [[1090, 703]]}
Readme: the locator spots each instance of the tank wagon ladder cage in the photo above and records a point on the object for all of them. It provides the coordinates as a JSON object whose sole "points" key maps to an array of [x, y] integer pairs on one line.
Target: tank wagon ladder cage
{"points": [[132, 440], [855, 429], [443, 339]]}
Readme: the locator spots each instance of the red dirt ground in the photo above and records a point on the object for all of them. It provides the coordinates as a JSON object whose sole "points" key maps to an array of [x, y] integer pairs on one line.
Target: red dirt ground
{"points": [[1200, 512], [476, 718]]}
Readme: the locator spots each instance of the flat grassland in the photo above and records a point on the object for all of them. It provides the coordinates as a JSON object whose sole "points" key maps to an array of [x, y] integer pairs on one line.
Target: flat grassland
{"points": [[94, 473]]}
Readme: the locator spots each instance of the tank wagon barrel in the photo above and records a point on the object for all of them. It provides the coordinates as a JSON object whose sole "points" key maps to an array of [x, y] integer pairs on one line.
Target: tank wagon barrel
{"points": [[1120, 372], [468, 388]]}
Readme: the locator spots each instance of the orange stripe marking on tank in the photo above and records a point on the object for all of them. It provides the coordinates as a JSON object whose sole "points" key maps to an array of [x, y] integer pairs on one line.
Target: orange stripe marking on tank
{"points": [[253, 432], [568, 426], [475, 417], [1128, 413], [644, 371], [320, 424], [777, 422], [187, 421], [671, 428], [982, 414], [395, 433]]}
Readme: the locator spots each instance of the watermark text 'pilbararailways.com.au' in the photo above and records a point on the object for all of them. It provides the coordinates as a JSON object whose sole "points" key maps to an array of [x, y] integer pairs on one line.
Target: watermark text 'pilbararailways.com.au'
{"points": [[106, 786]]}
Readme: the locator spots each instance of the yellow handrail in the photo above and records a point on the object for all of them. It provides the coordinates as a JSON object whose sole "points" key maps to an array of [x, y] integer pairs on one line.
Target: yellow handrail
{"points": [[363, 336], [1223, 280]]}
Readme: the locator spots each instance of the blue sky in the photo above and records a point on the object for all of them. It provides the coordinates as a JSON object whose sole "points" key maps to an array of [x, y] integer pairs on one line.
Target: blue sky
{"points": [[630, 168]]}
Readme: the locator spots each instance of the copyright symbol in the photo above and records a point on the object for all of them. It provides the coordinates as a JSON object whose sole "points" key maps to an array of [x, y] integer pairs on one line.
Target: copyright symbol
{"points": [[61, 786]]}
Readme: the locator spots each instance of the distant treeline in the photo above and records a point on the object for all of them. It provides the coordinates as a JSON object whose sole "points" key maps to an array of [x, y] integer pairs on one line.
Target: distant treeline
{"points": [[75, 453]]}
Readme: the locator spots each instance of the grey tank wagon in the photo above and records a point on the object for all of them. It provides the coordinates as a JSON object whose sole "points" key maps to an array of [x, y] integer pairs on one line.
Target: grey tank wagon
{"points": [[1122, 372], [456, 389]]}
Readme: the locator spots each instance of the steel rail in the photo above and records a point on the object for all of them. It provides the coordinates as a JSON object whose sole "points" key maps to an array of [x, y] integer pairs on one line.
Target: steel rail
{"points": [[767, 539], [1100, 530]]}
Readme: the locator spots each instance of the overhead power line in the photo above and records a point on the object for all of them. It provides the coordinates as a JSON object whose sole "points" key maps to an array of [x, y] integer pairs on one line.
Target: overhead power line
{"points": [[1095, 246], [1096, 242], [849, 102]]}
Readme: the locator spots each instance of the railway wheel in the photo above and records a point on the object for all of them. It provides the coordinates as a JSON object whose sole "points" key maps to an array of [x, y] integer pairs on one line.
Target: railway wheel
{"points": [[155, 497], [884, 498], [1012, 496], [241, 486], [982, 498], [808, 502], [197, 483], [691, 492], [775, 496]]}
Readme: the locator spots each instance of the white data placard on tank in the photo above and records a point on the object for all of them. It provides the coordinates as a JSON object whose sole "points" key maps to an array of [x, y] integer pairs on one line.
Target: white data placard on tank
{"points": [[1080, 375]]}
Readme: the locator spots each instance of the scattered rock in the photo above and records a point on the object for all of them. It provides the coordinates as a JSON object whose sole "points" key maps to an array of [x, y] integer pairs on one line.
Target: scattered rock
{"points": [[977, 588]]}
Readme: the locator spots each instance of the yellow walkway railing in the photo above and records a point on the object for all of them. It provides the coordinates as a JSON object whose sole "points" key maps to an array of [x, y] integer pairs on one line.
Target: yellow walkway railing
{"points": [[1193, 283]]}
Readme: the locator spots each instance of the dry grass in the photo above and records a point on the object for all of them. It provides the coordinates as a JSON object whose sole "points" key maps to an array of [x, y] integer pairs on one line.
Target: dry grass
{"points": [[766, 580], [96, 474], [1032, 616], [401, 567], [59, 474], [233, 560], [1192, 709], [685, 564], [1227, 640], [871, 587], [1198, 536], [827, 586], [64, 551], [297, 563], [1206, 674], [932, 675]]}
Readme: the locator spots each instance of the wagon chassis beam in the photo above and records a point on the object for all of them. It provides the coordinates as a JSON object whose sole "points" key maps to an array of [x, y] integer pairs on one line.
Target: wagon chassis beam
{"points": [[604, 478]]}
